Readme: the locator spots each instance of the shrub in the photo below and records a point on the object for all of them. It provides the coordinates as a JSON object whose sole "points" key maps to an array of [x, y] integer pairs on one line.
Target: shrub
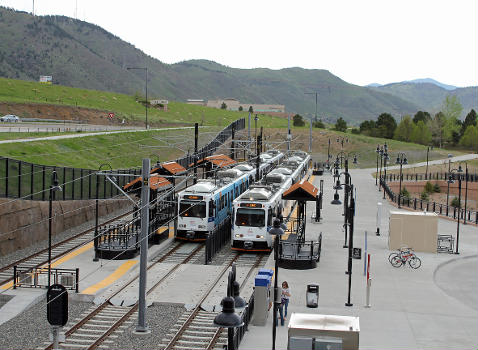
{"points": [[424, 196], [355, 131], [436, 188], [404, 193], [455, 202], [428, 187]]}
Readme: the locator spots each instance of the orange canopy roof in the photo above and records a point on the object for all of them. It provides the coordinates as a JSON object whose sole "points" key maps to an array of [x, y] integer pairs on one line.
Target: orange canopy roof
{"points": [[155, 182], [220, 160], [302, 190]]}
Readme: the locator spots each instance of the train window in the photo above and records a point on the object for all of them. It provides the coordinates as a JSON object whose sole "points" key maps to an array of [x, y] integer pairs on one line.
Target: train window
{"points": [[269, 217], [192, 209], [211, 208], [250, 217]]}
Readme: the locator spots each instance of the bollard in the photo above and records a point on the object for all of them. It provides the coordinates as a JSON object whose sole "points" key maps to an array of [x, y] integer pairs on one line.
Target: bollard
{"points": [[367, 297]]}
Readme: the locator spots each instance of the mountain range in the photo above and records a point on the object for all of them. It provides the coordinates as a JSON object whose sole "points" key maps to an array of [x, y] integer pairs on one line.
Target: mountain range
{"points": [[81, 54]]}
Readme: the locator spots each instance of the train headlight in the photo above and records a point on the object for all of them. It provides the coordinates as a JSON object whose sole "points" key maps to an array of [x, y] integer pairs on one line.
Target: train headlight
{"points": [[237, 235], [259, 236], [182, 225]]}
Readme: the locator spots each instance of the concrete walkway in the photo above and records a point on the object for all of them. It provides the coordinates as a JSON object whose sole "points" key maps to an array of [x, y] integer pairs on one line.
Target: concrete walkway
{"points": [[433, 307]]}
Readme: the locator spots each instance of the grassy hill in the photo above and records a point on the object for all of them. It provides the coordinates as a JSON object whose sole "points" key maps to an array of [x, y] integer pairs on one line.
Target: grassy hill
{"points": [[430, 96], [83, 55], [124, 106]]}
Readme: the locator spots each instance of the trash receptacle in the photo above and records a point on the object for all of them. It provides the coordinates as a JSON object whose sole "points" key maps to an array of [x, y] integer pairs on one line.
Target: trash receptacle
{"points": [[312, 296]]}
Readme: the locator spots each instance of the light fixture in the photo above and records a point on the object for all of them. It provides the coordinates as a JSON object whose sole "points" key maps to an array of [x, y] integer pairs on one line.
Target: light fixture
{"points": [[239, 302], [338, 185], [336, 200], [228, 318]]}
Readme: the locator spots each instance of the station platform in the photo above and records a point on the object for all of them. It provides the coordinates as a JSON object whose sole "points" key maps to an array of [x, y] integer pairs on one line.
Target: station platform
{"points": [[433, 307]]}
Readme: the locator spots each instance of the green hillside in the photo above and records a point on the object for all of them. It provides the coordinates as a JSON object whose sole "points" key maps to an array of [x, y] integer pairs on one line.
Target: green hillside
{"points": [[124, 106], [430, 96], [83, 55]]}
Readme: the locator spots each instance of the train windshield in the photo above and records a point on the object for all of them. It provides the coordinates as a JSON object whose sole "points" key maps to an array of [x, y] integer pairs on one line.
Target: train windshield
{"points": [[192, 209], [250, 217]]}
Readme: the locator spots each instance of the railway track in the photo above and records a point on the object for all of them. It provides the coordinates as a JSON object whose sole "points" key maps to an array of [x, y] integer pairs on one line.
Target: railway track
{"points": [[101, 324], [194, 329], [57, 250]]}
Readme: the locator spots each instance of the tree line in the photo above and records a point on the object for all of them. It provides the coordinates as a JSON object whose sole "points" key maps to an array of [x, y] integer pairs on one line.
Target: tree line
{"points": [[444, 128]]}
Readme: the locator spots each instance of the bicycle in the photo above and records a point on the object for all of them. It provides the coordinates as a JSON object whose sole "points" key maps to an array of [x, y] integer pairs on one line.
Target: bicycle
{"points": [[403, 255]]}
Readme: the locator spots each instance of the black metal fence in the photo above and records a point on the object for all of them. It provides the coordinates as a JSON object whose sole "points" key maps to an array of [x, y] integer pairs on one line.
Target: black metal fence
{"points": [[38, 277], [246, 317], [122, 240], [19, 179], [424, 205], [217, 239], [431, 176]]}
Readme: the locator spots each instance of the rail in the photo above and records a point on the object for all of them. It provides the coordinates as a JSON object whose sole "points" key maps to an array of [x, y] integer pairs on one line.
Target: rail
{"points": [[424, 205], [38, 277], [217, 239]]}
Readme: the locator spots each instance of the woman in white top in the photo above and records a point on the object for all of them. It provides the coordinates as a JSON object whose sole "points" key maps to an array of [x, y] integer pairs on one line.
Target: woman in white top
{"points": [[285, 296]]}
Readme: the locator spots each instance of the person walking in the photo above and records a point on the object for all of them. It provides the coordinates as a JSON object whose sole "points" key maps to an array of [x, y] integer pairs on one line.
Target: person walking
{"points": [[285, 296]]}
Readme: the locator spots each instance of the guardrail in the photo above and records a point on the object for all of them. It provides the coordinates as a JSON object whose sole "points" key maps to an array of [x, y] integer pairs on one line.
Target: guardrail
{"points": [[423, 205], [217, 239], [431, 176], [38, 277]]}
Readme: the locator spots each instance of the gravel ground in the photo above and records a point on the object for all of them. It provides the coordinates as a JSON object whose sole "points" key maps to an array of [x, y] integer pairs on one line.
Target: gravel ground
{"points": [[19, 254], [160, 317], [31, 328]]}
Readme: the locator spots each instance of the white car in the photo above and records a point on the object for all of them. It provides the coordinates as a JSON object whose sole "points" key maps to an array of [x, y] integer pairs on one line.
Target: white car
{"points": [[10, 118]]}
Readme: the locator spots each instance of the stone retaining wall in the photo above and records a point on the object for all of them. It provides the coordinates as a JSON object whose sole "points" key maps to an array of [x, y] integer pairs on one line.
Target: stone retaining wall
{"points": [[23, 222]]}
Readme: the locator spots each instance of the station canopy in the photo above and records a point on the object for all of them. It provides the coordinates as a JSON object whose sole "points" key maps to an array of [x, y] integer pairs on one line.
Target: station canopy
{"points": [[156, 182], [219, 160], [169, 168], [301, 191]]}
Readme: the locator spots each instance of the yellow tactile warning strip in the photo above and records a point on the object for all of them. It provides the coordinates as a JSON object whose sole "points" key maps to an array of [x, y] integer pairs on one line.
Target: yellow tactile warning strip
{"points": [[120, 271], [59, 261]]}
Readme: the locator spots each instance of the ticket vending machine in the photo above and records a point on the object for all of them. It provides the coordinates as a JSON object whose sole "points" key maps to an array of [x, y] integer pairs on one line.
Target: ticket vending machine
{"points": [[262, 297]]}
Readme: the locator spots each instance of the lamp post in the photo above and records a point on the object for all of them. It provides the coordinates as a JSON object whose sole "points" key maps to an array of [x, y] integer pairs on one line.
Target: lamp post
{"points": [[277, 230], [341, 139], [53, 188], [401, 159], [328, 156], [466, 192], [146, 88], [350, 222], [376, 174], [383, 152], [426, 171], [448, 186], [459, 173], [96, 237], [385, 158], [228, 318]]}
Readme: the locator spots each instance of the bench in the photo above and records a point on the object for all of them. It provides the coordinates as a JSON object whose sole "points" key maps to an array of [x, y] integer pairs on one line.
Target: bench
{"points": [[445, 244]]}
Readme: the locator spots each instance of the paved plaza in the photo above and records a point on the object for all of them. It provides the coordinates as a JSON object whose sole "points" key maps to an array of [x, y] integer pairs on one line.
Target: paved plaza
{"points": [[433, 307]]}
